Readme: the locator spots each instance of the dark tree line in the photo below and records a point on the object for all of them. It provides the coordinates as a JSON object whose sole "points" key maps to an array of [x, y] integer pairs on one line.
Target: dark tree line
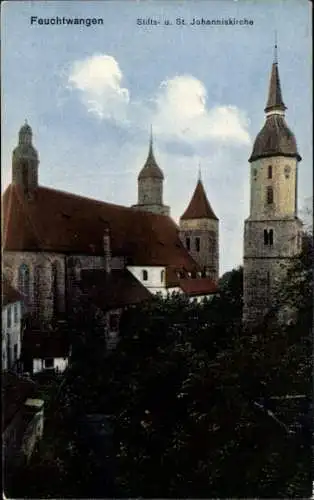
{"points": [[195, 401]]}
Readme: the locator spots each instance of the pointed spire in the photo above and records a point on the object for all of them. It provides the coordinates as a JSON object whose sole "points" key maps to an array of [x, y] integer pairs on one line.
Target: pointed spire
{"points": [[199, 206], [275, 101]]}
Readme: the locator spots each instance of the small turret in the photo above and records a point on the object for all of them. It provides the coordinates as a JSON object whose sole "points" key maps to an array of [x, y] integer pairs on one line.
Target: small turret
{"points": [[25, 161], [150, 185], [199, 232]]}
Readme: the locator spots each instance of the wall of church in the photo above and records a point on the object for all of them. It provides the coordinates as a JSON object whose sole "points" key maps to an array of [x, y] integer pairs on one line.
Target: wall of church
{"points": [[39, 286], [152, 277], [281, 177]]}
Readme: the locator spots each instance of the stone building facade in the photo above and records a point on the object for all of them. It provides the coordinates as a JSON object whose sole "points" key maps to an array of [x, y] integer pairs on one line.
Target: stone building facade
{"points": [[273, 231]]}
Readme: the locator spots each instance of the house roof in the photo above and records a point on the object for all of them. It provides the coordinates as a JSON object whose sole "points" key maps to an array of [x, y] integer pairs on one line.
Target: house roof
{"points": [[15, 391], [199, 206], [9, 294], [198, 286], [57, 221], [114, 290], [44, 344]]}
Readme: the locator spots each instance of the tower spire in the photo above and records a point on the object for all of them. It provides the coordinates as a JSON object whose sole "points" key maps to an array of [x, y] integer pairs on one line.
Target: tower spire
{"points": [[275, 102]]}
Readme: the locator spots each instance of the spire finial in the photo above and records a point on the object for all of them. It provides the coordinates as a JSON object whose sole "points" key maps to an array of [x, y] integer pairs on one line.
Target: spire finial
{"points": [[199, 171], [25, 121], [276, 49], [151, 138]]}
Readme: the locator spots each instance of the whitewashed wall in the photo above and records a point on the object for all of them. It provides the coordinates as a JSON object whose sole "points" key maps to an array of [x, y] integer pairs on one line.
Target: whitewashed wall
{"points": [[59, 364]]}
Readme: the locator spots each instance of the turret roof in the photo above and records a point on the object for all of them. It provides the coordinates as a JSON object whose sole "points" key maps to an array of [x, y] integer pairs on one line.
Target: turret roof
{"points": [[151, 169], [199, 206]]}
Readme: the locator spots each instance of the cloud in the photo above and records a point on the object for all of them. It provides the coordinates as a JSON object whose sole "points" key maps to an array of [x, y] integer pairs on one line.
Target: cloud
{"points": [[98, 79], [178, 110], [182, 112]]}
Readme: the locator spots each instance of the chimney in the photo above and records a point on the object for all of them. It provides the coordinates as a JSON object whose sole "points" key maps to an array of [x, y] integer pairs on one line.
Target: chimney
{"points": [[107, 250]]}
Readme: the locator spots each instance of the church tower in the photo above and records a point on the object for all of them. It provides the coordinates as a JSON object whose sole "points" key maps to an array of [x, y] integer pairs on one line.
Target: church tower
{"points": [[272, 232], [25, 162], [150, 186], [199, 232]]}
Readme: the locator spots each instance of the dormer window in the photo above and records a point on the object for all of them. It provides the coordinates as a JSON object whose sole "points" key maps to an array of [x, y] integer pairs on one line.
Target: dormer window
{"points": [[270, 172], [269, 195], [144, 275]]}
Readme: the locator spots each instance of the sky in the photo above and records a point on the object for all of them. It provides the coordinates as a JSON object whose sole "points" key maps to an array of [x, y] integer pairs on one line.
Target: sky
{"points": [[91, 94]]}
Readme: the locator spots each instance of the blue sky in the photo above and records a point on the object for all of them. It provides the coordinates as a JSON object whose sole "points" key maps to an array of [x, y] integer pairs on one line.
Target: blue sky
{"points": [[91, 94]]}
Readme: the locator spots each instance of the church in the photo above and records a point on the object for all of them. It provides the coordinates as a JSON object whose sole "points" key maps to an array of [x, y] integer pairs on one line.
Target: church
{"points": [[58, 245]]}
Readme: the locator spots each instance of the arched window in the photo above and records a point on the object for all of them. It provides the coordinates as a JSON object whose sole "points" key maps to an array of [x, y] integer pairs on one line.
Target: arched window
{"points": [[270, 172], [24, 280], [162, 276], [144, 275], [269, 195], [37, 274], [197, 244], [57, 289], [188, 243]]}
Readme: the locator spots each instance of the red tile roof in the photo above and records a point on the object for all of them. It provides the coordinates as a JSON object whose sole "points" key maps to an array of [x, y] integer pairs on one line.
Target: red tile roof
{"points": [[199, 206], [15, 391], [62, 222], [198, 286], [114, 290], [9, 294]]}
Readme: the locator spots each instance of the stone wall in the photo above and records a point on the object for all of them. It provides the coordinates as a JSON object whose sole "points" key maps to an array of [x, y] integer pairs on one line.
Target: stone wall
{"points": [[283, 182], [207, 231]]}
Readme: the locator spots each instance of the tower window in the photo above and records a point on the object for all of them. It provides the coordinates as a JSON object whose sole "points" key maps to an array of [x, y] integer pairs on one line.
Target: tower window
{"points": [[162, 276], [188, 243], [268, 237], [144, 275], [197, 244], [271, 237], [287, 171], [270, 172], [269, 195]]}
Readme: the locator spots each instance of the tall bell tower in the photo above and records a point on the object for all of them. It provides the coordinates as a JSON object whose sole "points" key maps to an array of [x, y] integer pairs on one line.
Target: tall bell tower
{"points": [[273, 231]]}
